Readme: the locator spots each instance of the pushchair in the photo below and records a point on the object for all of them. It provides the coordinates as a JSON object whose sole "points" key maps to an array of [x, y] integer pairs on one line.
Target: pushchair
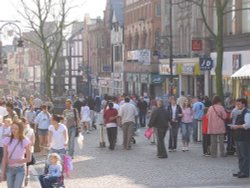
{"points": [[59, 182]]}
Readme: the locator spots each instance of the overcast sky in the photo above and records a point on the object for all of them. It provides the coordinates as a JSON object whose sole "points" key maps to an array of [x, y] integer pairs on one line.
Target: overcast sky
{"points": [[8, 9]]}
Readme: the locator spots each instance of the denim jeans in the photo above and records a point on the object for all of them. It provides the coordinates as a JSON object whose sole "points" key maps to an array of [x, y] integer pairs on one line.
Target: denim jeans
{"points": [[185, 130], [243, 153], [71, 144], [173, 135], [48, 181], [15, 176], [142, 118]]}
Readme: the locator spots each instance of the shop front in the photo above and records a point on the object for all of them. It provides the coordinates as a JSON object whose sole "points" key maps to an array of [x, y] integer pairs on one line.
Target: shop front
{"points": [[241, 82]]}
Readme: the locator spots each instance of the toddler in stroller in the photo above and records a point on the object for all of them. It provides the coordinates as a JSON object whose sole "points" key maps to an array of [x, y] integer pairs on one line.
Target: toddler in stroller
{"points": [[53, 176]]}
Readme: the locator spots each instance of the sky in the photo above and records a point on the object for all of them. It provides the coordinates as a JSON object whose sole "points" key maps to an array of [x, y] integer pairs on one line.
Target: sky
{"points": [[95, 8]]}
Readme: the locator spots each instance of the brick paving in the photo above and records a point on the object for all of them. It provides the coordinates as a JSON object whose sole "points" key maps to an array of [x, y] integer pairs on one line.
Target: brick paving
{"points": [[96, 167]]}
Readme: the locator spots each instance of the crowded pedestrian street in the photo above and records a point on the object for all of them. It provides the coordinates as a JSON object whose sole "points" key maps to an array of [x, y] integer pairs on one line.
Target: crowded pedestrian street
{"points": [[96, 167]]}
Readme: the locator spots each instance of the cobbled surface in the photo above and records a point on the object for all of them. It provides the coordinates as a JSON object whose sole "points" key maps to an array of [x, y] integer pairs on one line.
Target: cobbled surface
{"points": [[96, 167]]}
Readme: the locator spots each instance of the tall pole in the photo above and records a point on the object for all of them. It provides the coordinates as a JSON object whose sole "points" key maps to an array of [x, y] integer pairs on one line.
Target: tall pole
{"points": [[171, 47]]}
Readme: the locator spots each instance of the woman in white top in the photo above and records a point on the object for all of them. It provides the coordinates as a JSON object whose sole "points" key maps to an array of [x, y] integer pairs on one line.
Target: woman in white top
{"points": [[58, 136], [85, 117], [30, 134]]}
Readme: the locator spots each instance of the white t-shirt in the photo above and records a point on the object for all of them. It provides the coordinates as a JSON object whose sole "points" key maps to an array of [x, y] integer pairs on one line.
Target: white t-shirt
{"points": [[4, 132], [29, 133], [127, 112], [3, 111], [85, 114], [58, 136]]}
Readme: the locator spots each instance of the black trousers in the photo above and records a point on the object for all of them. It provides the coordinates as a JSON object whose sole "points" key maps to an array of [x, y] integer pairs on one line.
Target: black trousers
{"points": [[112, 137], [205, 143], [161, 149], [174, 126]]}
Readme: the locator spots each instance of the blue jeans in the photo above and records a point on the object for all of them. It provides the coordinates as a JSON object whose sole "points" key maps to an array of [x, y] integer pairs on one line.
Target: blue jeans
{"points": [[243, 153], [71, 144], [186, 130], [48, 181], [142, 118], [15, 176]]}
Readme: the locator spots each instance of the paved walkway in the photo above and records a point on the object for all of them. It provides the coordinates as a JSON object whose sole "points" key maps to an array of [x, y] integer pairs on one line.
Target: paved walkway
{"points": [[96, 167]]}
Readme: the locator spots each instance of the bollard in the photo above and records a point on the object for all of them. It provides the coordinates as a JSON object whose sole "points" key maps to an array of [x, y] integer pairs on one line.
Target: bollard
{"points": [[199, 131], [102, 142], [99, 121]]}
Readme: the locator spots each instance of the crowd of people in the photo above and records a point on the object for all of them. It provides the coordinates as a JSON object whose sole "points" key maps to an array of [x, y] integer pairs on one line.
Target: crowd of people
{"points": [[196, 119]]}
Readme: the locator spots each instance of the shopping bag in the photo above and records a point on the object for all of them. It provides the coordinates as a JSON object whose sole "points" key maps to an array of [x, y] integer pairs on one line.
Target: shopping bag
{"points": [[148, 133]]}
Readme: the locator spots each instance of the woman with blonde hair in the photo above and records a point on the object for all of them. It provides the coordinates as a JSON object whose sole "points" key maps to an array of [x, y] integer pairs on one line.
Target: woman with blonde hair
{"points": [[186, 124], [16, 154]]}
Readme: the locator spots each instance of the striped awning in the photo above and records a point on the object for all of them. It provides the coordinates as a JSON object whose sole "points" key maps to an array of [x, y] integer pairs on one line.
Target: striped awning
{"points": [[242, 73]]}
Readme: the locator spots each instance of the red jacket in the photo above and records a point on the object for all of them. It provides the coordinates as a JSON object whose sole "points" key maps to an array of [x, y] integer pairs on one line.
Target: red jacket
{"points": [[108, 114], [204, 124]]}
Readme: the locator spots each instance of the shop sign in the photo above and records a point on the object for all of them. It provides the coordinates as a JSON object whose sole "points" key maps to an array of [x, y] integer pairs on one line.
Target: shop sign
{"points": [[206, 64], [141, 56], [196, 45], [157, 79], [164, 69], [188, 69], [106, 68]]}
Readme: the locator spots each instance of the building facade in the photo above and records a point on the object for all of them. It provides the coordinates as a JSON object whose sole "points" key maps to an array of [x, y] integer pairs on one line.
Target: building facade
{"points": [[142, 28]]}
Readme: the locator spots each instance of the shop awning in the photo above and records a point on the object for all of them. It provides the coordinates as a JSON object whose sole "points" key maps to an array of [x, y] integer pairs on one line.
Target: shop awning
{"points": [[242, 73]]}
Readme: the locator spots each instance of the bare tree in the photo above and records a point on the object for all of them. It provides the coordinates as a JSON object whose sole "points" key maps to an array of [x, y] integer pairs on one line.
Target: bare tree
{"points": [[47, 18], [222, 8]]}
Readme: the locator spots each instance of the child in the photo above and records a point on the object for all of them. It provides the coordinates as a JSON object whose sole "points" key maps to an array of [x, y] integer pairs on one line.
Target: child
{"points": [[54, 172], [5, 131], [206, 137]]}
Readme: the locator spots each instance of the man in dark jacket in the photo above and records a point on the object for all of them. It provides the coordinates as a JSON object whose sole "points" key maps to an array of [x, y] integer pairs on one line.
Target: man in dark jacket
{"points": [[159, 120], [142, 107], [175, 113], [242, 138]]}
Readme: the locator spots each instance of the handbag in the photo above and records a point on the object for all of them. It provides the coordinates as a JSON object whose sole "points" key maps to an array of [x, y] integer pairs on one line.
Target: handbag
{"points": [[33, 160], [218, 114], [148, 133]]}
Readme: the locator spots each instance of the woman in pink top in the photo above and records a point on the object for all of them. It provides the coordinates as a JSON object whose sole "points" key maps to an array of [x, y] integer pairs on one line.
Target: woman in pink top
{"points": [[186, 124], [14, 158], [216, 126]]}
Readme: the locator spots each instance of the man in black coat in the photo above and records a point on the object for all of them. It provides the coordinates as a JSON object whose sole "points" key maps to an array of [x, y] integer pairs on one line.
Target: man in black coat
{"points": [[159, 120]]}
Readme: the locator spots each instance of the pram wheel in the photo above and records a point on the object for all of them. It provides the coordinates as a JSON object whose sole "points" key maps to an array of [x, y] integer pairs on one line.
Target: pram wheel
{"points": [[133, 140]]}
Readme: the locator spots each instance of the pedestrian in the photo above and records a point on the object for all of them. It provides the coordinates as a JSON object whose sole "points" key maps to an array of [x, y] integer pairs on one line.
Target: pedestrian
{"points": [[30, 115], [71, 120], [216, 126], [54, 172], [110, 116], [85, 117], [5, 131], [11, 113], [30, 134], [42, 122], [241, 133], [175, 113], [127, 113], [159, 120], [58, 136], [3, 111], [198, 109], [37, 104], [14, 158], [181, 100], [142, 107], [205, 135], [186, 124]]}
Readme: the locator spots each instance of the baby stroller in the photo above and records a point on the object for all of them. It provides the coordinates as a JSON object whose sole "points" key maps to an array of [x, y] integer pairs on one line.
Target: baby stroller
{"points": [[59, 182]]}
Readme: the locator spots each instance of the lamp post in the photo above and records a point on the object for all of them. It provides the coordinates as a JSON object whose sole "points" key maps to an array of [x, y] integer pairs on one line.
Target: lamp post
{"points": [[171, 47]]}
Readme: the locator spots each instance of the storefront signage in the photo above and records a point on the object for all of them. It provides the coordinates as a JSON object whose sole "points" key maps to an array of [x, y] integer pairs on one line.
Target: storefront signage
{"points": [[206, 64], [141, 56], [188, 69], [144, 78], [196, 45], [106, 68], [164, 69], [157, 79]]}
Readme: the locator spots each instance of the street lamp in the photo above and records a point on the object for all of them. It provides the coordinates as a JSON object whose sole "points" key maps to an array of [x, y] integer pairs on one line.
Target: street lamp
{"points": [[171, 47]]}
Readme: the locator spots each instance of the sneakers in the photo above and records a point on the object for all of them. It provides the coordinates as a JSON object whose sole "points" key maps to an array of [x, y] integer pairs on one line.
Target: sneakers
{"points": [[185, 149], [206, 154]]}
